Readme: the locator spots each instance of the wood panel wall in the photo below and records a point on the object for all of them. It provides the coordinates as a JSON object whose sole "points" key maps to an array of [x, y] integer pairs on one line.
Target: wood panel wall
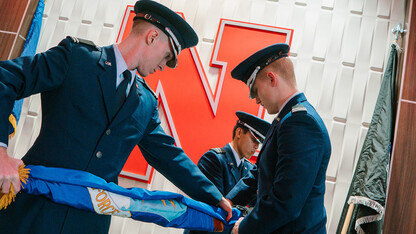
{"points": [[15, 21], [400, 214]]}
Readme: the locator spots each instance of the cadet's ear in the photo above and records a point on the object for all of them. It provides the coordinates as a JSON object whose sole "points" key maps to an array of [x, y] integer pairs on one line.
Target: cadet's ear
{"points": [[238, 132], [151, 36], [272, 78]]}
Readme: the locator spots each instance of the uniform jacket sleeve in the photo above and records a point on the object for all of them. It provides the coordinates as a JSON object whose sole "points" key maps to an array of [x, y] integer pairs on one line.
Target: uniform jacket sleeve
{"points": [[296, 170], [212, 169], [245, 189], [24, 76], [159, 150]]}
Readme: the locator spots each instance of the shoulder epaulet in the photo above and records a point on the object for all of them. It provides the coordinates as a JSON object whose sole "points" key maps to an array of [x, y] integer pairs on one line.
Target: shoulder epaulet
{"points": [[146, 85], [218, 150], [84, 41], [298, 107]]}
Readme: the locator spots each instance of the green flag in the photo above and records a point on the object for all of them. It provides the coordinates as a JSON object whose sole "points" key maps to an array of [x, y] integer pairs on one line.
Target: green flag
{"points": [[364, 207]]}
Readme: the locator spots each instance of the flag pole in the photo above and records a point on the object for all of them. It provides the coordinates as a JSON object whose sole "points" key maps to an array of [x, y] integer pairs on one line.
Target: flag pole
{"points": [[348, 219]]}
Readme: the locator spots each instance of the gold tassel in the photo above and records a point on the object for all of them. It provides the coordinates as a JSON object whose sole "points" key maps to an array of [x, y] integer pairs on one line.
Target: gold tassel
{"points": [[7, 198], [13, 121]]}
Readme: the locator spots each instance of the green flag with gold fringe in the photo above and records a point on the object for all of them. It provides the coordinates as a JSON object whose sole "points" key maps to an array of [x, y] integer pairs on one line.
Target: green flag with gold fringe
{"points": [[364, 207]]}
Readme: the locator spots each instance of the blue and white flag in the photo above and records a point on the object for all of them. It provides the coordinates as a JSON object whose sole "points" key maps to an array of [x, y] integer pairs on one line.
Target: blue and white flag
{"points": [[85, 191], [29, 49]]}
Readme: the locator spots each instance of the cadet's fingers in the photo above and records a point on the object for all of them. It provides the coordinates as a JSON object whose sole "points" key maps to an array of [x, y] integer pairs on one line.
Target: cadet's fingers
{"points": [[225, 205], [236, 225], [19, 163], [16, 185], [9, 172], [230, 214], [5, 185], [1, 185]]}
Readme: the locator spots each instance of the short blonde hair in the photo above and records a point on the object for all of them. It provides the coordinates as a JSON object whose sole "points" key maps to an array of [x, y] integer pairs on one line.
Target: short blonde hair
{"points": [[140, 26], [284, 68]]}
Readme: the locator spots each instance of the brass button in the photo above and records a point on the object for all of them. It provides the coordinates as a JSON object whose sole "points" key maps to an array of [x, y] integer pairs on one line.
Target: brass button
{"points": [[99, 154], [108, 132]]}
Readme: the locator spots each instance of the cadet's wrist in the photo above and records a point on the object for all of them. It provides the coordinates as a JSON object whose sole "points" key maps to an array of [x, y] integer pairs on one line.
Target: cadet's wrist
{"points": [[3, 152], [3, 145], [220, 201], [229, 200]]}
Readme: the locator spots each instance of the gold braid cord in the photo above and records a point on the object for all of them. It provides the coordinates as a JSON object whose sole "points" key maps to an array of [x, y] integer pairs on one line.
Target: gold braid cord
{"points": [[7, 198]]}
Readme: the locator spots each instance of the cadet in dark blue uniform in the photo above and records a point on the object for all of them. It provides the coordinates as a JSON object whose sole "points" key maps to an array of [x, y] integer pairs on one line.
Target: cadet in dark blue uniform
{"points": [[94, 111], [225, 166], [291, 167]]}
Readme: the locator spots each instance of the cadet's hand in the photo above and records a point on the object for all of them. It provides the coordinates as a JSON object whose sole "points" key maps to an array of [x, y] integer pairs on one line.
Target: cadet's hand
{"points": [[235, 228], [9, 172], [225, 205], [231, 202]]}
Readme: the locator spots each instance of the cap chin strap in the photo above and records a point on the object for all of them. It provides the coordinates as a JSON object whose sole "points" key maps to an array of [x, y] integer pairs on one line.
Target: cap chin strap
{"points": [[252, 131], [251, 80], [174, 61], [177, 46]]}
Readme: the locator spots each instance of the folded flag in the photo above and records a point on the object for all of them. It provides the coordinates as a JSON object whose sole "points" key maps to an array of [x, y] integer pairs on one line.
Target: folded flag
{"points": [[85, 191]]}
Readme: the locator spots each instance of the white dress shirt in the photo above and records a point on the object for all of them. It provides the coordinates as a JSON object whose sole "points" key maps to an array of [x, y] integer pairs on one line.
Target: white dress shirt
{"points": [[237, 158], [121, 67]]}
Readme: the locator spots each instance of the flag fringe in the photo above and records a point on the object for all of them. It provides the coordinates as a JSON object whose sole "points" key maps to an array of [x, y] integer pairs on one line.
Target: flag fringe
{"points": [[13, 122], [7, 198], [366, 219]]}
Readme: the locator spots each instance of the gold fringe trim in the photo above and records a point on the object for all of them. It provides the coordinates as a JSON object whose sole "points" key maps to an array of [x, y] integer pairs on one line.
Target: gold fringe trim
{"points": [[7, 198], [366, 219], [13, 121]]}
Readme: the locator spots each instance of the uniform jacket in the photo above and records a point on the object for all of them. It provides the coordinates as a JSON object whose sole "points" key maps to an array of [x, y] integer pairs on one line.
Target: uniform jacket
{"points": [[290, 175], [219, 166], [81, 131]]}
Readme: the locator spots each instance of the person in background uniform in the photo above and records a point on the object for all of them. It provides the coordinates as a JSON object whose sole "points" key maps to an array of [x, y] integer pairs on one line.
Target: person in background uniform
{"points": [[225, 166], [291, 167], [94, 111]]}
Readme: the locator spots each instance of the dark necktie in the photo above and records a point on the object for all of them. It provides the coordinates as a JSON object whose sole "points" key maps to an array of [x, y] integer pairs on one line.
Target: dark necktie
{"points": [[121, 90], [240, 169]]}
